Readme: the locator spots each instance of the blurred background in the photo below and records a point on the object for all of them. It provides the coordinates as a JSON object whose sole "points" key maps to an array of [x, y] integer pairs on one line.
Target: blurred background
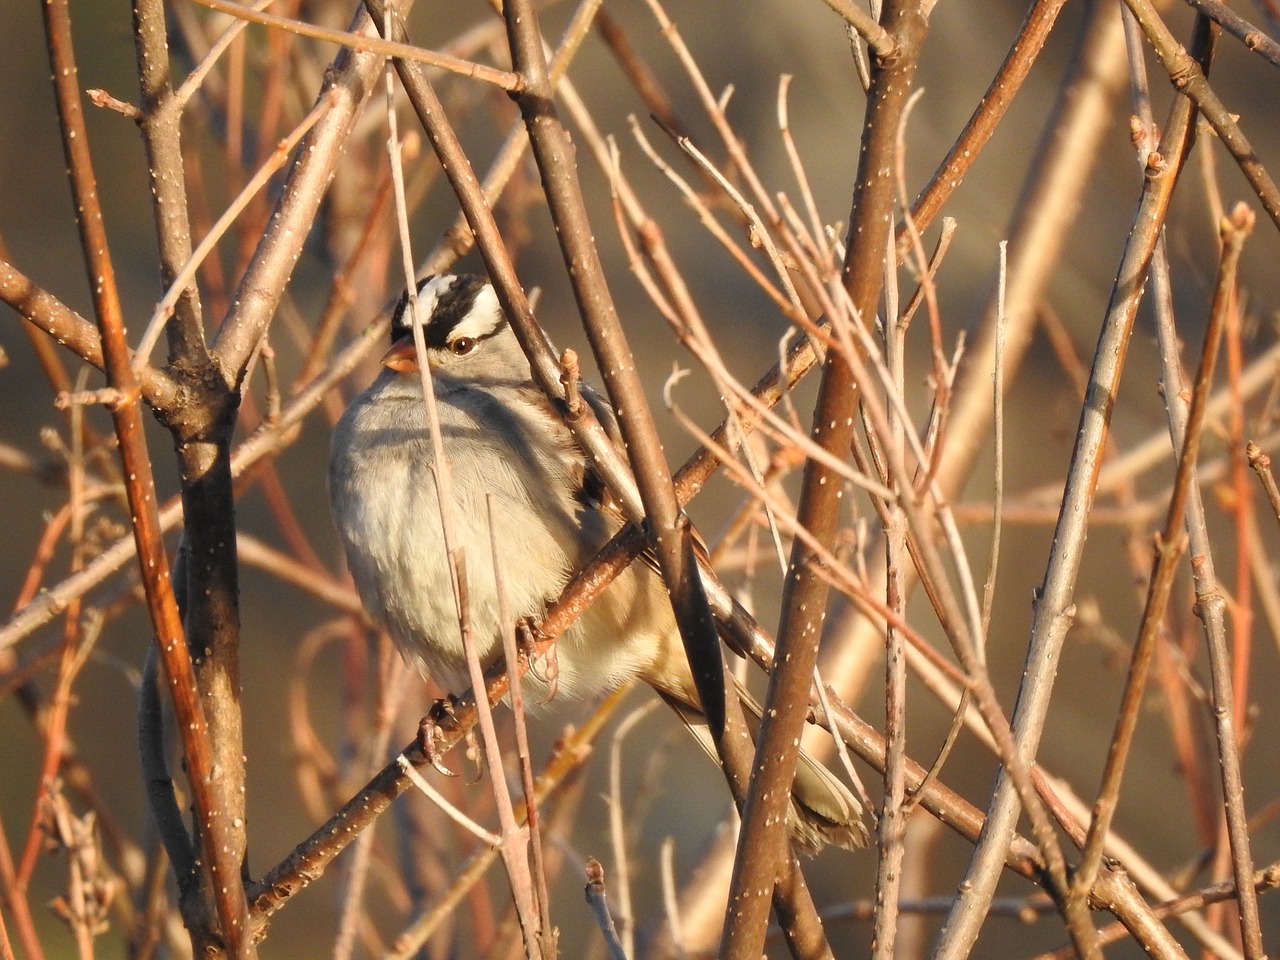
{"points": [[745, 49]]}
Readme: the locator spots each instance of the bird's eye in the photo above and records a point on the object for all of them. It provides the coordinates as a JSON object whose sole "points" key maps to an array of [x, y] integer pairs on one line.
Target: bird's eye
{"points": [[462, 346]]}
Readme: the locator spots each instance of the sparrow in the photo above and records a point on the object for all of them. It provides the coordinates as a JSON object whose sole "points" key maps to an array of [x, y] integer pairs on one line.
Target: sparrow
{"points": [[504, 439]]}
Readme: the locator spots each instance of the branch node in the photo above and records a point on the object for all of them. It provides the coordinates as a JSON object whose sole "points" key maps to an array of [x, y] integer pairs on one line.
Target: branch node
{"points": [[100, 98], [570, 376]]}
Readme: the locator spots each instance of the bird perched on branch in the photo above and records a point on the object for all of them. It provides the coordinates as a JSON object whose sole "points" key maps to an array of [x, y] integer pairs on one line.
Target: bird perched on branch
{"points": [[503, 439]]}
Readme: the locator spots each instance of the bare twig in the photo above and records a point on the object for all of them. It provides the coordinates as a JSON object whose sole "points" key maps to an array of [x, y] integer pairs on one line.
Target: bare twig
{"points": [[524, 845], [1053, 608], [267, 440], [1013, 72], [1240, 28], [263, 283], [219, 835], [1188, 78], [503, 79], [182, 283], [1169, 547], [1261, 464], [600, 910], [45, 312]]}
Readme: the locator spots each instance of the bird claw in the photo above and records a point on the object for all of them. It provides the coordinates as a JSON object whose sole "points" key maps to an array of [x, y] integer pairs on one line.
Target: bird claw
{"points": [[544, 667], [432, 729]]}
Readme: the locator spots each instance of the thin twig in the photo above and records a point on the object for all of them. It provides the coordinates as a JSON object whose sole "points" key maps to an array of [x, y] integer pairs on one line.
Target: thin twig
{"points": [[218, 833], [600, 909], [1240, 28], [1053, 608], [619, 835], [537, 862], [503, 79], [1261, 464], [1013, 72], [804, 596], [1188, 78], [267, 440], [1169, 547]]}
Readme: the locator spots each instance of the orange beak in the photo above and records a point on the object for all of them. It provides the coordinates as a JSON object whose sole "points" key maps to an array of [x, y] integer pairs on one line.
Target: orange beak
{"points": [[402, 357]]}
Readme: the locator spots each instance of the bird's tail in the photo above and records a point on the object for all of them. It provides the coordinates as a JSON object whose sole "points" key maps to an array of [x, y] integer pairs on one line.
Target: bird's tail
{"points": [[822, 811]]}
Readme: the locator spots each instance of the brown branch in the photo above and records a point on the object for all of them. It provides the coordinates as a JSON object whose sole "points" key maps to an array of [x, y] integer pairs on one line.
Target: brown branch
{"points": [[637, 72], [1263, 881], [1240, 28], [1261, 464], [157, 783], [804, 597], [309, 859], [613, 356], [365, 43], [1188, 78], [1169, 547], [991, 109], [47, 313], [215, 826]]}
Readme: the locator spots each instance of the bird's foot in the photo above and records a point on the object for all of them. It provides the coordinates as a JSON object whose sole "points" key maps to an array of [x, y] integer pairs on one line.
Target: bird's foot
{"points": [[433, 729], [544, 666]]}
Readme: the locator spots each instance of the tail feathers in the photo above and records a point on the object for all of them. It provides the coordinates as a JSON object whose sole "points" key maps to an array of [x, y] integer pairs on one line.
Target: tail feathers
{"points": [[823, 810]]}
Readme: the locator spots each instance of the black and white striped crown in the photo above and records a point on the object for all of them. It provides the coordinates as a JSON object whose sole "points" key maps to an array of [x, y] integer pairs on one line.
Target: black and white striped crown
{"points": [[456, 306]]}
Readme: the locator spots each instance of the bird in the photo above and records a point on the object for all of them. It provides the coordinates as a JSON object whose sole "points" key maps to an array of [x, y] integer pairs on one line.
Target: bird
{"points": [[507, 445]]}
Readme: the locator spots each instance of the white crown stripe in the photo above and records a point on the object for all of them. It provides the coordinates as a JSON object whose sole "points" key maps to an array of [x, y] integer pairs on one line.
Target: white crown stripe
{"points": [[430, 293], [482, 320]]}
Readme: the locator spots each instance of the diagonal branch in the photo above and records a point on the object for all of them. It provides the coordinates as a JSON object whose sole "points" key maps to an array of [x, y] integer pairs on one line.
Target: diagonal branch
{"points": [[1170, 545], [1188, 78], [43, 310], [1240, 28], [366, 43], [1054, 607], [995, 103], [349, 82]]}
